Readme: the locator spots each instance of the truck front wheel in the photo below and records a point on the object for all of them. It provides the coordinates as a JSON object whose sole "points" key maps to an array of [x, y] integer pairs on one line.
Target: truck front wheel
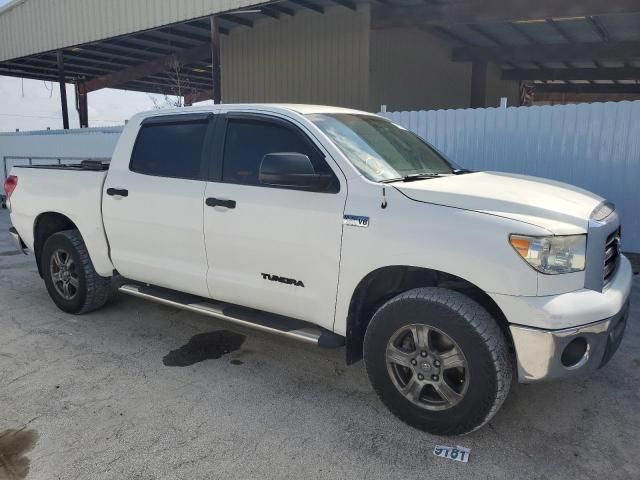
{"points": [[72, 282], [438, 360]]}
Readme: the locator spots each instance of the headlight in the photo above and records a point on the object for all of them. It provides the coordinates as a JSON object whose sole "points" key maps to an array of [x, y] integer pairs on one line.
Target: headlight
{"points": [[552, 255]]}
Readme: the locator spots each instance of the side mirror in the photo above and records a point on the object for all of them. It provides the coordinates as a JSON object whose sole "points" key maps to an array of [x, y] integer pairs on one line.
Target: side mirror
{"points": [[292, 170]]}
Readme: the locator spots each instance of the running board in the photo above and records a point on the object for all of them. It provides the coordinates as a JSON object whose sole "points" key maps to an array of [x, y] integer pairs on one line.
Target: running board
{"points": [[246, 317]]}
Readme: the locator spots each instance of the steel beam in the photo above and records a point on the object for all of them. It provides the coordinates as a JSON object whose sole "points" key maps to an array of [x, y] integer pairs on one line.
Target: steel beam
{"points": [[627, 73], [495, 11], [587, 88], [237, 20], [310, 5], [63, 90], [216, 76], [347, 4], [187, 56], [279, 8], [550, 51], [270, 12], [82, 107]]}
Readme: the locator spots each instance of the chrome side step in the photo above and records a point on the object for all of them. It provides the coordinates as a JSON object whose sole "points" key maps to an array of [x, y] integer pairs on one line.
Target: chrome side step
{"points": [[266, 322]]}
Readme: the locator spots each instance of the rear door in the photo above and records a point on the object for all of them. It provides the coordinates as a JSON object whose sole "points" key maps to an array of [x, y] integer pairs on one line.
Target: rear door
{"points": [[273, 249], [153, 205]]}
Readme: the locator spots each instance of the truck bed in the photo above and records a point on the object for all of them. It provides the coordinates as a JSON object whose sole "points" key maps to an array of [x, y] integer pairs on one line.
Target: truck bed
{"points": [[73, 191]]}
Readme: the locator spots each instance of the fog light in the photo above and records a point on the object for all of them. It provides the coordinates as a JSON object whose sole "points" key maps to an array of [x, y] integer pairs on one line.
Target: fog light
{"points": [[574, 352]]}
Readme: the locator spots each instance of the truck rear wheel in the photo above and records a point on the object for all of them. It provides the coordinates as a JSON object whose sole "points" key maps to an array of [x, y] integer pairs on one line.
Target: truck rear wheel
{"points": [[72, 282], [438, 361]]}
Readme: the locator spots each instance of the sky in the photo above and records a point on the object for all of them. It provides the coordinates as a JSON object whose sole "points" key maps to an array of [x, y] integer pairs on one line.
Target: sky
{"points": [[35, 105]]}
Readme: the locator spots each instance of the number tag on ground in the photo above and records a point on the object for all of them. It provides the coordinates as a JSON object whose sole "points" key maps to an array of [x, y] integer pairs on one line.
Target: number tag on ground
{"points": [[460, 454]]}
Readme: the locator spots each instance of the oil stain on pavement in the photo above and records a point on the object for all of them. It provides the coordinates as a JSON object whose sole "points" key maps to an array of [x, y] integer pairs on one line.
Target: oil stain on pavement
{"points": [[204, 346], [14, 444]]}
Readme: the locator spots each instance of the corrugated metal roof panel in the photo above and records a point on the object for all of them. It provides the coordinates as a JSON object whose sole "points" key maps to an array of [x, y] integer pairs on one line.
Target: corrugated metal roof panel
{"points": [[34, 26]]}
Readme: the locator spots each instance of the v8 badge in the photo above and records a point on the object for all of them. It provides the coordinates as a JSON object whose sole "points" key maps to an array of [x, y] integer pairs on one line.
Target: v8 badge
{"points": [[355, 221]]}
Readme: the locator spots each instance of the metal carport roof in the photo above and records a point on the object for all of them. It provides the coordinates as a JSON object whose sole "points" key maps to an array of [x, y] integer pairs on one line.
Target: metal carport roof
{"points": [[573, 45]]}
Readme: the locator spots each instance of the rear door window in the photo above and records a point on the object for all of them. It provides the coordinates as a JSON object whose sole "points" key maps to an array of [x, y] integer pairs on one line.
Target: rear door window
{"points": [[170, 150]]}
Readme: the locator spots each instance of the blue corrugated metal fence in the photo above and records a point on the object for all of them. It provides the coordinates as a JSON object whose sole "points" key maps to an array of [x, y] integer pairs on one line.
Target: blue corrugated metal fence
{"points": [[594, 146]]}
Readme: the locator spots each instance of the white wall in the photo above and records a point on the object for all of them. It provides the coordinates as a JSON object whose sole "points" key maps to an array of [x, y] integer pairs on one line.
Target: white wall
{"points": [[78, 144], [595, 146]]}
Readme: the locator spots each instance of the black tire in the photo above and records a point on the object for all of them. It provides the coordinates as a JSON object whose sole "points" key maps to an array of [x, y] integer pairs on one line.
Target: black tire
{"points": [[454, 319], [92, 291]]}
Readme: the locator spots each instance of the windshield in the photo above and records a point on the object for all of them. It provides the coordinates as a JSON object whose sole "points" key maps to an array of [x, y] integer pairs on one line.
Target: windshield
{"points": [[380, 149]]}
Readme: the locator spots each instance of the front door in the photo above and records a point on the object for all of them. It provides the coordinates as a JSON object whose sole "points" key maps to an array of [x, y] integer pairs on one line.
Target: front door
{"points": [[273, 249]]}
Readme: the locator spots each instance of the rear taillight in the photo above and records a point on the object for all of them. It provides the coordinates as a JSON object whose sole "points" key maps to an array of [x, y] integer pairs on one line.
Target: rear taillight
{"points": [[10, 185]]}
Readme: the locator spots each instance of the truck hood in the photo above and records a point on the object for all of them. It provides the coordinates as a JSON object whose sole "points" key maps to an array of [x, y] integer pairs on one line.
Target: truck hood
{"points": [[558, 207]]}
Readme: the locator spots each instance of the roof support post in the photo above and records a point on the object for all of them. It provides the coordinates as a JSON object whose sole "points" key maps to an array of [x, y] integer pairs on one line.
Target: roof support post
{"points": [[82, 106], [216, 76], [63, 90], [478, 84]]}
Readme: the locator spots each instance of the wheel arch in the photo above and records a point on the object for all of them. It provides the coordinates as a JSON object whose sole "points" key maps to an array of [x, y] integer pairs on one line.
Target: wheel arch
{"points": [[384, 283], [45, 225]]}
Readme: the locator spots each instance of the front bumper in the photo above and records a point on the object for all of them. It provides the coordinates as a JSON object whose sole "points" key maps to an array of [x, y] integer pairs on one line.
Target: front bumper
{"points": [[551, 354], [543, 327]]}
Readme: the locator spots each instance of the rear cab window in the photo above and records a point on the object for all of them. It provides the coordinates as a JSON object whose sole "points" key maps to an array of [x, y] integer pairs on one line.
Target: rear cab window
{"points": [[170, 149]]}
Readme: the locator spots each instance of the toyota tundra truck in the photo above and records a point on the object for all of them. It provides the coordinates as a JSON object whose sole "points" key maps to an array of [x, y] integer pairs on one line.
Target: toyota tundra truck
{"points": [[338, 228]]}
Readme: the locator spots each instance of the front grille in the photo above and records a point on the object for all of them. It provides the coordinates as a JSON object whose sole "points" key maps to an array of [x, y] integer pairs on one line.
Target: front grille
{"points": [[611, 255]]}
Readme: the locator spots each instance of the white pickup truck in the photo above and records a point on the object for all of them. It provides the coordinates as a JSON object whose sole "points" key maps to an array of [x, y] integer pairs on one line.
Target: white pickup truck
{"points": [[339, 228]]}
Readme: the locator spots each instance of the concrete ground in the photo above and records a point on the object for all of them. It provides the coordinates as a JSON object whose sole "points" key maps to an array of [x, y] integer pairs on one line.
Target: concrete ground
{"points": [[92, 398]]}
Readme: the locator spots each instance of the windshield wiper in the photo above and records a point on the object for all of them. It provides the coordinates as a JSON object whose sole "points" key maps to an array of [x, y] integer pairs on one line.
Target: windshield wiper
{"points": [[461, 171], [413, 177]]}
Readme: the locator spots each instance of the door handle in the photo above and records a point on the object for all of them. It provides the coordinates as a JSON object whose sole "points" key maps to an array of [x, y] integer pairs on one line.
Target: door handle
{"points": [[216, 202], [122, 192]]}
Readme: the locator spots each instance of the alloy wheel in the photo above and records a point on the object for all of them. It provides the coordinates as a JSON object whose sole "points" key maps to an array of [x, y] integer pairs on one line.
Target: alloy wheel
{"points": [[64, 274], [427, 367]]}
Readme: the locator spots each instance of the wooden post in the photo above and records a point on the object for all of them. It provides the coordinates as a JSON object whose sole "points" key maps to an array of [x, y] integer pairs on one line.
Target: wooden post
{"points": [[478, 84], [63, 90], [216, 77]]}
